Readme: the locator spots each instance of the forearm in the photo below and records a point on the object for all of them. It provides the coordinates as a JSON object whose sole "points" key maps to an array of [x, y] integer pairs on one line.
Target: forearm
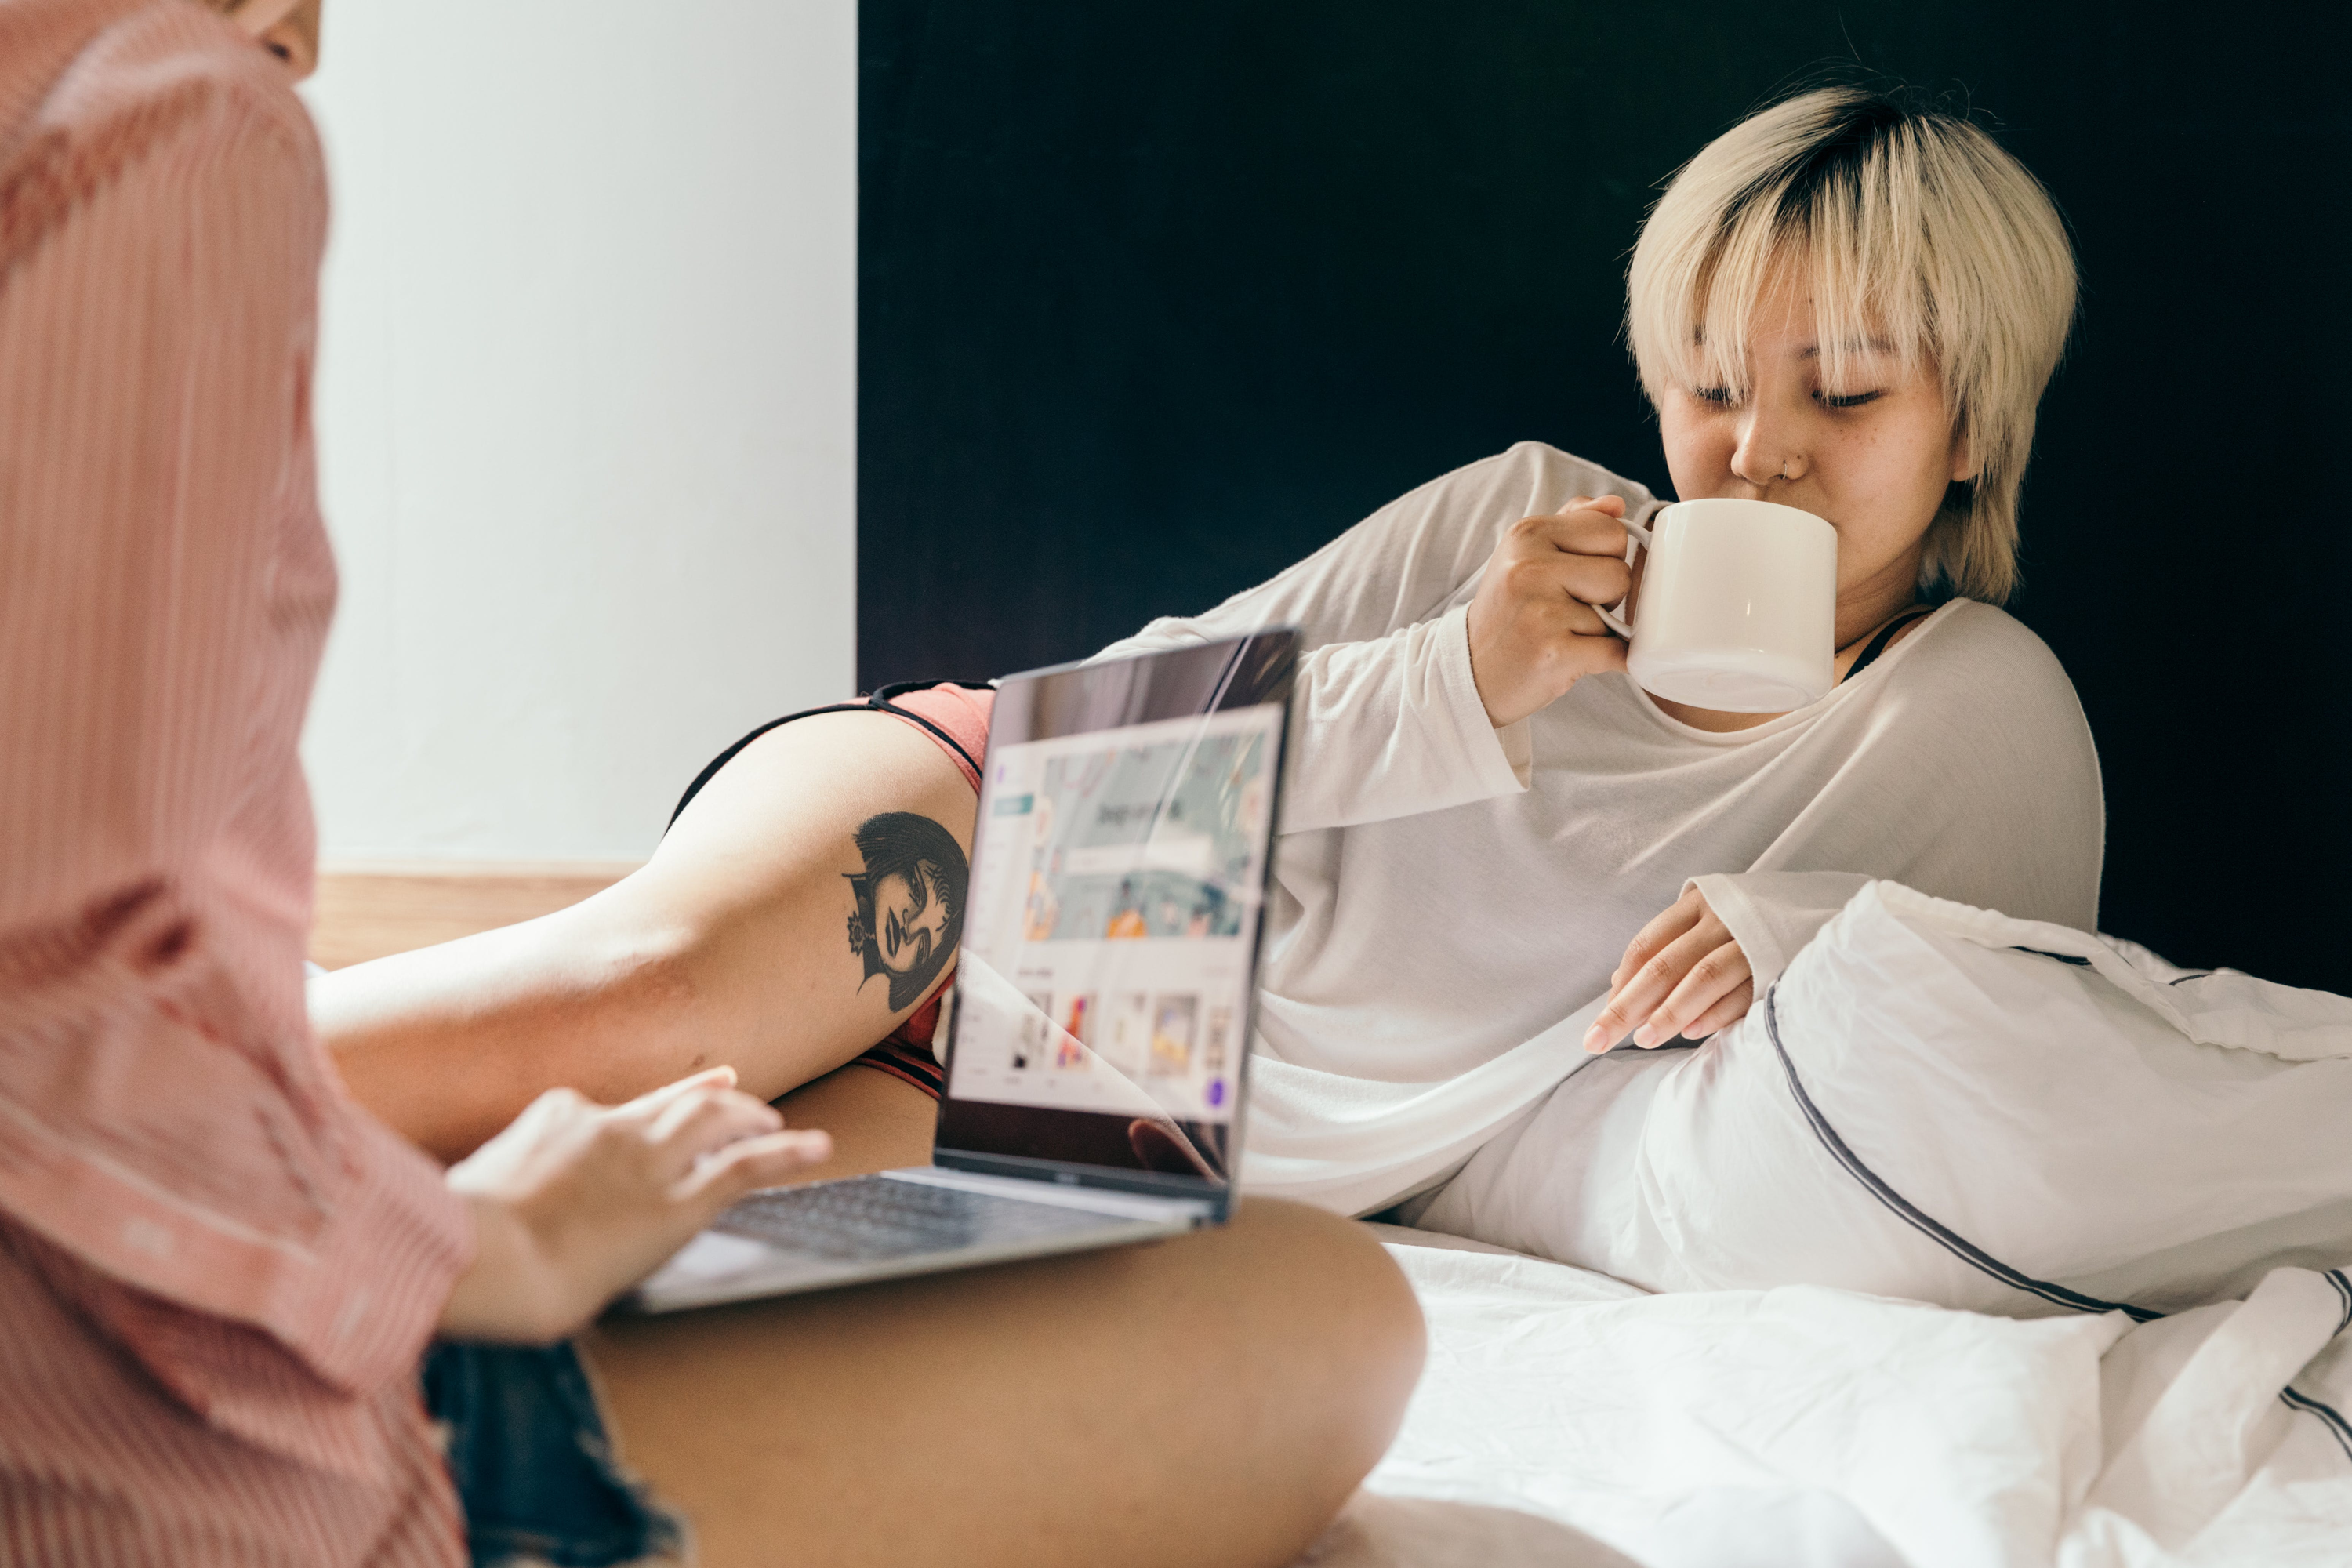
{"points": [[1395, 727]]}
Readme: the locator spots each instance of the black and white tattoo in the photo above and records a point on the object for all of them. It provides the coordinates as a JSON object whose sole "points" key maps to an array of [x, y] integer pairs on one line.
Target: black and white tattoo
{"points": [[909, 910]]}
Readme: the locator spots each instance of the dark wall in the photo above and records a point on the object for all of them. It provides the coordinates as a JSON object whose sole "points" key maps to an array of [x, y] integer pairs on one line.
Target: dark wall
{"points": [[1156, 298]]}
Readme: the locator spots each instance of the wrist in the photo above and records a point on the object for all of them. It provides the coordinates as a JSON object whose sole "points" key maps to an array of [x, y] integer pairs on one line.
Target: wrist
{"points": [[508, 1292], [1500, 714]]}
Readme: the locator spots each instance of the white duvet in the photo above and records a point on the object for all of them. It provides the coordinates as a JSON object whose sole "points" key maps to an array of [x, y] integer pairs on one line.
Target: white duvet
{"points": [[1807, 1425], [2128, 1188], [1944, 1104]]}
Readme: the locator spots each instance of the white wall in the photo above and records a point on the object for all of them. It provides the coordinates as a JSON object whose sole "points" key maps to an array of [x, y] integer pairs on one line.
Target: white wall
{"points": [[586, 407]]}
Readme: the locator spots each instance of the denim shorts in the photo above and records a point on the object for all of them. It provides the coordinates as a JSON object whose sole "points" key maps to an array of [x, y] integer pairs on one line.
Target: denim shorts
{"points": [[534, 1472]]}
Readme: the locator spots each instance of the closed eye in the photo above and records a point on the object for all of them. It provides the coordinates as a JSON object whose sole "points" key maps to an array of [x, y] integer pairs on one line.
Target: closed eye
{"points": [[1849, 400], [1718, 396]]}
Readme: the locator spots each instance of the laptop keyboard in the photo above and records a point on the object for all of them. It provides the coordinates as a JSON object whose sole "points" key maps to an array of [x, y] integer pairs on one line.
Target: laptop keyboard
{"points": [[875, 1217]]}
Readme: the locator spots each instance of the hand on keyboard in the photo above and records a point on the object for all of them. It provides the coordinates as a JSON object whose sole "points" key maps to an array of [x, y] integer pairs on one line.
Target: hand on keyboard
{"points": [[575, 1201]]}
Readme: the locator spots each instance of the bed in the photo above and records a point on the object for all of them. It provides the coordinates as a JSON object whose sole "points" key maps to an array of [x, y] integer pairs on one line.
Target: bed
{"points": [[1567, 1418]]}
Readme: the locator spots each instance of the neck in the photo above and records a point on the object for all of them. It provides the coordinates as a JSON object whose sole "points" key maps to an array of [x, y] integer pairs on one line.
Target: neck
{"points": [[1864, 607]]}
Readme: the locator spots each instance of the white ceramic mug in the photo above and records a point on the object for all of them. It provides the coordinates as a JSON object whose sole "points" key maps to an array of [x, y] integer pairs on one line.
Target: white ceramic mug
{"points": [[1739, 607]]}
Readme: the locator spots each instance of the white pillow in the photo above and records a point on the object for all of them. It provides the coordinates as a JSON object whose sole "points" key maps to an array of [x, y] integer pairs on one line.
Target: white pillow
{"points": [[1942, 1103]]}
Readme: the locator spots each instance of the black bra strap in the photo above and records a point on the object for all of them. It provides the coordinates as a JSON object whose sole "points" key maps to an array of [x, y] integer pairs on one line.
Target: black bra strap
{"points": [[1878, 644], [877, 702]]}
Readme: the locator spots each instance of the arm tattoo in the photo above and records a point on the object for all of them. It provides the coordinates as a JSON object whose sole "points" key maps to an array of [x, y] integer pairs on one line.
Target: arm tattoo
{"points": [[908, 909]]}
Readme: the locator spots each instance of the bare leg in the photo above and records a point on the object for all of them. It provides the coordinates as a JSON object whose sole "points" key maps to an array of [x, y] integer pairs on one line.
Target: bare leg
{"points": [[1211, 1400], [730, 946], [877, 1122]]}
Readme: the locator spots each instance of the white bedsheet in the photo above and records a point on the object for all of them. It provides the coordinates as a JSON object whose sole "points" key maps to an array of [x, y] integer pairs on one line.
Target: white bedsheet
{"points": [[1805, 1426]]}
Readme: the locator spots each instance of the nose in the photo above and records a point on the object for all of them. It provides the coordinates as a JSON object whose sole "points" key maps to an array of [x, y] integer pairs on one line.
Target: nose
{"points": [[1770, 449]]}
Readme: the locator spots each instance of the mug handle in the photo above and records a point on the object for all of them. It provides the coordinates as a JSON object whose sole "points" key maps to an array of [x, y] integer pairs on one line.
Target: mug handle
{"points": [[1637, 538]]}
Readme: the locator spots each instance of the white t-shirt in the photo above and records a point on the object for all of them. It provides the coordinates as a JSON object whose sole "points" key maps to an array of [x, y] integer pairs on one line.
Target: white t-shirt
{"points": [[1450, 900]]}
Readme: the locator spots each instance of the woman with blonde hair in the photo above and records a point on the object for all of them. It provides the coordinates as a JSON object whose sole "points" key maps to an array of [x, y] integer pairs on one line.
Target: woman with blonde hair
{"points": [[1847, 304]]}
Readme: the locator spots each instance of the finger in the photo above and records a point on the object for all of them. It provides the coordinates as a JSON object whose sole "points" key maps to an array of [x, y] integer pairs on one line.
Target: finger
{"points": [[1583, 531], [1721, 970], [1648, 985], [651, 1104], [1652, 939], [751, 1163], [690, 1128], [1684, 916], [663, 1117], [1615, 504], [1602, 651], [1704, 931], [552, 1108], [1725, 1013], [555, 1102], [1596, 579], [1576, 580]]}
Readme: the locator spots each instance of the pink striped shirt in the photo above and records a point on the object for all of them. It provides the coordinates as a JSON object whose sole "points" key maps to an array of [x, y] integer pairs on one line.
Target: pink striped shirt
{"points": [[217, 1274]]}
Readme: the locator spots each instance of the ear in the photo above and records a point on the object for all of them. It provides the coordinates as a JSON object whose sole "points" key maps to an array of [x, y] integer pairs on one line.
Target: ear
{"points": [[1964, 459]]}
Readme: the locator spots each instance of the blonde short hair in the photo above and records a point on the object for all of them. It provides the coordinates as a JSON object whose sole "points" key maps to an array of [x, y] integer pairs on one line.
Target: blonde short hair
{"points": [[1915, 229]]}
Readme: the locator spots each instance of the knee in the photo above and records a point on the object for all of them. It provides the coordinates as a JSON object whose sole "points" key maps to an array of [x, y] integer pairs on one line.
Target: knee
{"points": [[1382, 1306]]}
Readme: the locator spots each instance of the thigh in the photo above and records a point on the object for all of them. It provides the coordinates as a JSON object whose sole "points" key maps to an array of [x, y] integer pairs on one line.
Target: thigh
{"points": [[739, 942], [879, 1123], [822, 871], [1208, 1400], [1558, 1181]]}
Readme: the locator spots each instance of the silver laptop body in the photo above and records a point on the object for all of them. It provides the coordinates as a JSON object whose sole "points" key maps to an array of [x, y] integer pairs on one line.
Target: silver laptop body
{"points": [[1096, 1037]]}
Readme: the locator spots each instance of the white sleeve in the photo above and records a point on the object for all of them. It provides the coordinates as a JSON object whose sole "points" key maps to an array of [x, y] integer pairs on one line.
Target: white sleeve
{"points": [[1386, 721], [1772, 914], [1392, 727]]}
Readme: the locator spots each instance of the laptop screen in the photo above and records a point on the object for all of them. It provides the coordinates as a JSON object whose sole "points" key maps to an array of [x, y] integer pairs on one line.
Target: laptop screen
{"points": [[1109, 959]]}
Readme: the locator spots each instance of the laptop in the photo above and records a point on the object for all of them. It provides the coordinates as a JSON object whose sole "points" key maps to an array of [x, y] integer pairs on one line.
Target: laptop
{"points": [[1097, 1034]]}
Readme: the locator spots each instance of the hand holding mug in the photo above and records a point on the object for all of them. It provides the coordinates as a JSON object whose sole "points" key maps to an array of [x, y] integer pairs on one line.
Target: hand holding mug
{"points": [[1534, 629]]}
